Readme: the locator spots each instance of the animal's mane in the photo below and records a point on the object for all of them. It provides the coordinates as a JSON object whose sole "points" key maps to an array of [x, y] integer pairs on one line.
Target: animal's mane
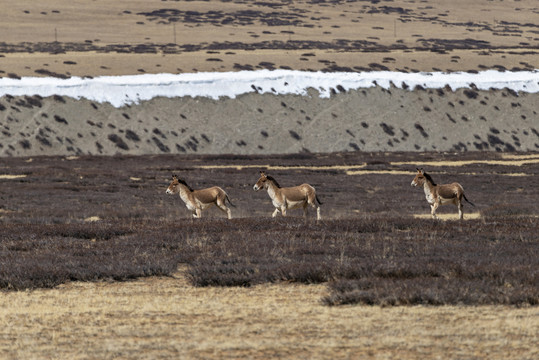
{"points": [[182, 181], [270, 178], [429, 178]]}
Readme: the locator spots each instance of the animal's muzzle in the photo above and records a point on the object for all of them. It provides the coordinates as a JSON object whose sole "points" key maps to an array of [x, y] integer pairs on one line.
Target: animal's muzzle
{"points": [[413, 183], [256, 188], [169, 192]]}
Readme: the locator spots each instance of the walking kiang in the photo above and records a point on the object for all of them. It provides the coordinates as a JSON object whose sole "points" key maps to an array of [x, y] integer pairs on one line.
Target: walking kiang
{"points": [[198, 200], [288, 198], [440, 194]]}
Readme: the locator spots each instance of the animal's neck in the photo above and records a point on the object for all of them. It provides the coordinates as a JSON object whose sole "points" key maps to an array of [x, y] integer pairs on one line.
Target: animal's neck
{"points": [[272, 189], [428, 187], [184, 192]]}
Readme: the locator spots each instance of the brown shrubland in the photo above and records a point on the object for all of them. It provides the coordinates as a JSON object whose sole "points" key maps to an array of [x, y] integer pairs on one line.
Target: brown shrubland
{"points": [[383, 255], [97, 262]]}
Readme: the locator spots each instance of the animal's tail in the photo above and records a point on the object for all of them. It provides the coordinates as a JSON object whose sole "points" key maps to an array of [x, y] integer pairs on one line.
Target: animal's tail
{"points": [[318, 200], [230, 202], [469, 202]]}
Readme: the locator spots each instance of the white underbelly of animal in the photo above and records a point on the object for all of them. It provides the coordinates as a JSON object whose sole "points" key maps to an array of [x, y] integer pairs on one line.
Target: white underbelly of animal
{"points": [[204, 206], [294, 204], [446, 201]]}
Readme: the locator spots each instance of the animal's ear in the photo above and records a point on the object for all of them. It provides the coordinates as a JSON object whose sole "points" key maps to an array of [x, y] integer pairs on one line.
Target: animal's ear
{"points": [[422, 171], [262, 173], [418, 170]]}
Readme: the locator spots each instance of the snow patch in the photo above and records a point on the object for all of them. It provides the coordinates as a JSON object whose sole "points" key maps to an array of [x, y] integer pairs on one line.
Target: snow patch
{"points": [[123, 90]]}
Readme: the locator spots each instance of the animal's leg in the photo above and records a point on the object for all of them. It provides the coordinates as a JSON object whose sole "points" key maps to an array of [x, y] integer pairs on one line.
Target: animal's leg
{"points": [[433, 208], [461, 215], [221, 206], [283, 210], [226, 210], [305, 211], [198, 213], [275, 213], [313, 204]]}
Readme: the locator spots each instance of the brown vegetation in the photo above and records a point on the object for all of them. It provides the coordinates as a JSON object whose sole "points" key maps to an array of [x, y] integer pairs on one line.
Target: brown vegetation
{"points": [[368, 260]]}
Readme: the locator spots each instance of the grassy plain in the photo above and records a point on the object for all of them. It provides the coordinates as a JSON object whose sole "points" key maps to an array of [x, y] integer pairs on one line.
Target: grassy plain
{"points": [[163, 318], [80, 38]]}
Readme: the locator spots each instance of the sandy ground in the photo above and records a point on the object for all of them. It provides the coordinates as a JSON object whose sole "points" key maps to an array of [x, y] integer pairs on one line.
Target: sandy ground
{"points": [[367, 120]]}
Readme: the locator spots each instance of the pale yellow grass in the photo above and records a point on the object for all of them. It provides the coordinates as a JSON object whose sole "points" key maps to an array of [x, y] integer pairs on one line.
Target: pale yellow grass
{"points": [[503, 162], [445, 217], [379, 172], [11, 176], [358, 169], [156, 318], [520, 156], [282, 167]]}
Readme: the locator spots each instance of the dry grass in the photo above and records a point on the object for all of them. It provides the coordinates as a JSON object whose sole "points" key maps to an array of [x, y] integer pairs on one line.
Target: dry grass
{"points": [[166, 317], [11, 176], [398, 35], [445, 217]]}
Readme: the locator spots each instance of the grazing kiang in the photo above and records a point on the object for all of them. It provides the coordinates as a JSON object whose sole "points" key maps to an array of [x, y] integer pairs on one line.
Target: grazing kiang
{"points": [[287, 198], [440, 194], [198, 200]]}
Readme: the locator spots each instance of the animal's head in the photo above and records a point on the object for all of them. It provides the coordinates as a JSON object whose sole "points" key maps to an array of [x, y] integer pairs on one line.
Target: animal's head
{"points": [[419, 179], [262, 181], [173, 188]]}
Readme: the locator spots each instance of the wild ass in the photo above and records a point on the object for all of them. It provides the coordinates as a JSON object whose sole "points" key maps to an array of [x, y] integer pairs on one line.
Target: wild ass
{"points": [[440, 194], [288, 197], [198, 200]]}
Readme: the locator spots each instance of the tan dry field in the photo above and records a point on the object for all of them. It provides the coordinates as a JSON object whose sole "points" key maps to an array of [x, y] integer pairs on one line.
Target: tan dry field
{"points": [[77, 38], [167, 317], [355, 169], [158, 318]]}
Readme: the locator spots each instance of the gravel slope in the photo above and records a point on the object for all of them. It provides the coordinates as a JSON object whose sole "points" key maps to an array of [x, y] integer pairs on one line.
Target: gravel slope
{"points": [[372, 119]]}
